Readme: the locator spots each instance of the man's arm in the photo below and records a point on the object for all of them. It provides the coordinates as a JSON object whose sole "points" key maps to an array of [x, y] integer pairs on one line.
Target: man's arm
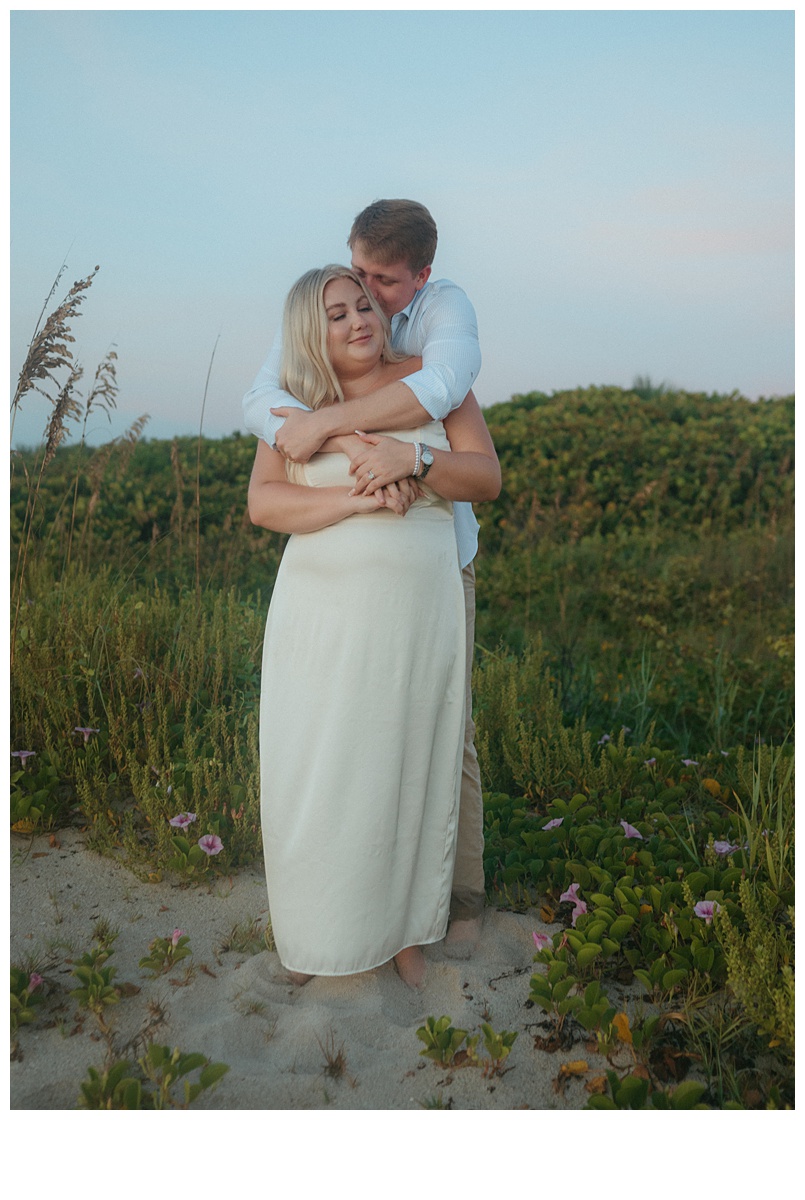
{"points": [[391, 407], [266, 393]]}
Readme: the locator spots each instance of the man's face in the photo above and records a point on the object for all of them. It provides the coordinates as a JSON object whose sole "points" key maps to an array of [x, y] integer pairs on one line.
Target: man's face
{"points": [[392, 285]]}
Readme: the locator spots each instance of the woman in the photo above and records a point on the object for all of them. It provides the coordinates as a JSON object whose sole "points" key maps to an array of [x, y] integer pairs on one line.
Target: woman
{"points": [[362, 705]]}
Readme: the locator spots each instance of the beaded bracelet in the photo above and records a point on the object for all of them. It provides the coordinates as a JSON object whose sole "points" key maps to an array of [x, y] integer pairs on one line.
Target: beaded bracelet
{"points": [[418, 459]]}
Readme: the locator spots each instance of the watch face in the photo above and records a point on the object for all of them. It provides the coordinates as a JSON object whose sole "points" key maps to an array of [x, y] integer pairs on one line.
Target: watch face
{"points": [[427, 457]]}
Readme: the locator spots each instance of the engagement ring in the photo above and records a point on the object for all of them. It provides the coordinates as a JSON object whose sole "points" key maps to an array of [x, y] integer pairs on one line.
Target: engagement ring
{"points": [[371, 474]]}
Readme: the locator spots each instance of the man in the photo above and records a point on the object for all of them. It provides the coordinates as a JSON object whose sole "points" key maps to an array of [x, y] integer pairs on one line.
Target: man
{"points": [[393, 243]]}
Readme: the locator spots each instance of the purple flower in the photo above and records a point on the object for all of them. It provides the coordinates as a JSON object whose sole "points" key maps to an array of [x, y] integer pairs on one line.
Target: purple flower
{"points": [[182, 820], [649, 762], [626, 729], [706, 908], [725, 848], [689, 762], [541, 941], [87, 732], [572, 894], [177, 933], [726, 753], [211, 844], [138, 674], [602, 741], [23, 755], [34, 982], [630, 831], [554, 824], [580, 908]]}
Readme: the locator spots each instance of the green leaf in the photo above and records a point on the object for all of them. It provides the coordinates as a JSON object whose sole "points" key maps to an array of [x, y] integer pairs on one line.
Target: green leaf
{"points": [[557, 971], [561, 989], [632, 1092], [601, 1102], [671, 978], [688, 1094], [587, 954]]}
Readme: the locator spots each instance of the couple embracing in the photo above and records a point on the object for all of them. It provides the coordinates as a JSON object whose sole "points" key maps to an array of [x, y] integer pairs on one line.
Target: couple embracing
{"points": [[372, 448]]}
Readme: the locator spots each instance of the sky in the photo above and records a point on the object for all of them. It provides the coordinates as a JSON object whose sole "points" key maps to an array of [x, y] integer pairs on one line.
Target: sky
{"points": [[613, 189]]}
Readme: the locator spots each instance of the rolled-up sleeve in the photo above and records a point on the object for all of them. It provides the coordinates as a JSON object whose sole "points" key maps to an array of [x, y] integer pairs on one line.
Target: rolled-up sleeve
{"points": [[451, 356], [265, 394]]}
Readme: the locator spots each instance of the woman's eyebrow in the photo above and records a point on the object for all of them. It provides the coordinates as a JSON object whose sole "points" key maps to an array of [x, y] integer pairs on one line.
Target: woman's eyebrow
{"points": [[338, 304]]}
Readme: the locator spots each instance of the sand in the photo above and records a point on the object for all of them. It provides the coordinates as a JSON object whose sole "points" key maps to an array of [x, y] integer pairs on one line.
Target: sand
{"points": [[238, 1007]]}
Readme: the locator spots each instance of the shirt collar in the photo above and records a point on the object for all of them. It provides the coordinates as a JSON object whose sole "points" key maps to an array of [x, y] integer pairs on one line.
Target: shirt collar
{"points": [[406, 312]]}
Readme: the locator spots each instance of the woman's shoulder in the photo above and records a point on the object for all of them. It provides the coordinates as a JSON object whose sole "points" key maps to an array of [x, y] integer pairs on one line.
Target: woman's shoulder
{"points": [[399, 370]]}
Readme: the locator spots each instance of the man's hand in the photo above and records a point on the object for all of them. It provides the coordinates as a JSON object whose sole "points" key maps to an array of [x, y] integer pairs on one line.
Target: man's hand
{"points": [[384, 460], [299, 436]]}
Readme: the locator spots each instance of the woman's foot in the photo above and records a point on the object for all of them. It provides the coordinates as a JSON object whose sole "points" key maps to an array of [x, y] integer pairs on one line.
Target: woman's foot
{"points": [[299, 979], [462, 938], [410, 965]]}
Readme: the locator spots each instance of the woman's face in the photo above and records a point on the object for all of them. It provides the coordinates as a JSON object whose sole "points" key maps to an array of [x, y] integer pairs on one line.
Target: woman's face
{"points": [[354, 331]]}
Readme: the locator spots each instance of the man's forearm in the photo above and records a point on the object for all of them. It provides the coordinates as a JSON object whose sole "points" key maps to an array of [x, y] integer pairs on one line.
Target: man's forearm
{"points": [[391, 407]]}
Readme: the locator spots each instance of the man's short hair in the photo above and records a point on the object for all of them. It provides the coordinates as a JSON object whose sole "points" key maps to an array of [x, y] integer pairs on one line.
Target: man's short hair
{"points": [[396, 231]]}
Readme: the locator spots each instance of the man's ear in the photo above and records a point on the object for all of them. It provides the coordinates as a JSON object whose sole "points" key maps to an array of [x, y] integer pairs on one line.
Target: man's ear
{"points": [[422, 278]]}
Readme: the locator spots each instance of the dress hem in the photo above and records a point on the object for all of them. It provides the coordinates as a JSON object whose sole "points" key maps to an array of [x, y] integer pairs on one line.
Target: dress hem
{"points": [[361, 970]]}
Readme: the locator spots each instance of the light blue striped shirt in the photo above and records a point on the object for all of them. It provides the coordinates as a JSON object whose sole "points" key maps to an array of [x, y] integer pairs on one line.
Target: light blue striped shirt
{"points": [[440, 326]]}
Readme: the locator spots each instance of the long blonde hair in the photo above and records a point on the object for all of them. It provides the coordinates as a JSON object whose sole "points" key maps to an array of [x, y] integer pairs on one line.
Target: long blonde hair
{"points": [[305, 369]]}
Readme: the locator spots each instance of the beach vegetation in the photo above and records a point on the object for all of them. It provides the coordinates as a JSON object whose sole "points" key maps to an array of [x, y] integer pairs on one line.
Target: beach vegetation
{"points": [[335, 1060], [26, 993], [444, 1043], [246, 937], [165, 952], [96, 990], [160, 1079]]}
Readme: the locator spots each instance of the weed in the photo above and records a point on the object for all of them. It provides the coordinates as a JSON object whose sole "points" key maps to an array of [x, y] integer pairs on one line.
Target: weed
{"points": [[335, 1062]]}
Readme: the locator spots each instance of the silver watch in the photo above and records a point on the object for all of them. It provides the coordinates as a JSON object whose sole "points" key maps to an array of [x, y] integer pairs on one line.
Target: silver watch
{"points": [[427, 461]]}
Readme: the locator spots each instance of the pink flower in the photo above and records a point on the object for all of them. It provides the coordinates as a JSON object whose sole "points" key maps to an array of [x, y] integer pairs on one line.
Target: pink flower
{"points": [[34, 981], [689, 762], [211, 844], [649, 762], [23, 755], [177, 933], [554, 824], [182, 820], [706, 909], [630, 831], [725, 848], [579, 907], [87, 732], [541, 941]]}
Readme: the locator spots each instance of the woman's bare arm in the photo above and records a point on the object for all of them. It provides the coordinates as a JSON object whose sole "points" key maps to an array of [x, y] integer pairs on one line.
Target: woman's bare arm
{"points": [[285, 507]]}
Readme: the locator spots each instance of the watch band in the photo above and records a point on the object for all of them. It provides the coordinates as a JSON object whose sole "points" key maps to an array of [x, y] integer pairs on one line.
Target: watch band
{"points": [[427, 460]]}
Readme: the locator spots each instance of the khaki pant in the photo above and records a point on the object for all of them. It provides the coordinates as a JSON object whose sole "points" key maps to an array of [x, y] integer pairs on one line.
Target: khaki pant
{"points": [[467, 898]]}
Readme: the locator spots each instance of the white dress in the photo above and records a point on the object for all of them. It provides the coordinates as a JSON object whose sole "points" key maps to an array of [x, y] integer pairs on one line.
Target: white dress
{"points": [[361, 730]]}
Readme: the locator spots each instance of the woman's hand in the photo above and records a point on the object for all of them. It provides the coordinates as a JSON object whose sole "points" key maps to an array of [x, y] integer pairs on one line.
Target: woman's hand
{"points": [[384, 460], [397, 497]]}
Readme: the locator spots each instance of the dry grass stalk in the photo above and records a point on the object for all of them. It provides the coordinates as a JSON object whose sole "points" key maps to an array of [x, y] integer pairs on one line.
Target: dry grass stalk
{"points": [[177, 512], [198, 470], [49, 350]]}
